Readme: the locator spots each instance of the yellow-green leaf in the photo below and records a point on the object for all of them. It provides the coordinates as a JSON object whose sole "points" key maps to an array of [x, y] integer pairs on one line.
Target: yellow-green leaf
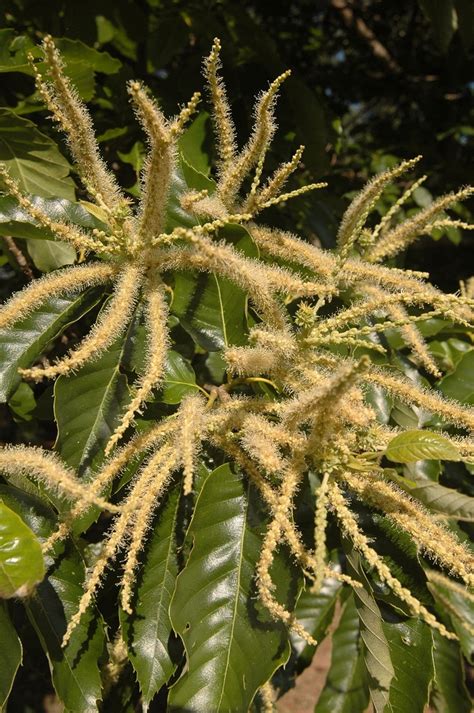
{"points": [[416, 445]]}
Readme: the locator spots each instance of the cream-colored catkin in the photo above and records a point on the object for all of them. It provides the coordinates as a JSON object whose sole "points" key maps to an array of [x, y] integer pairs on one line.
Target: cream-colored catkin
{"points": [[158, 341], [430, 536], [157, 474], [63, 231], [159, 165], [254, 152], [46, 467], [111, 322], [355, 216], [118, 534], [257, 439], [403, 235], [66, 281], [361, 543], [188, 441], [320, 523], [393, 210], [268, 697], [72, 115], [225, 129], [138, 446]]}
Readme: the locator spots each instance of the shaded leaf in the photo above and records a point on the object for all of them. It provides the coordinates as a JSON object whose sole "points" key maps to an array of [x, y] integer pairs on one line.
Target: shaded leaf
{"points": [[148, 632], [11, 653], [346, 689], [457, 603], [450, 694], [460, 384], [440, 13], [49, 255], [231, 643], [315, 613], [417, 445], [21, 344], [410, 644], [21, 558], [444, 500]]}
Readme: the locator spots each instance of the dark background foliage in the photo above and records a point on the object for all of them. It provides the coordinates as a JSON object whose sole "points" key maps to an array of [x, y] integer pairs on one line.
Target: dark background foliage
{"points": [[373, 81]]}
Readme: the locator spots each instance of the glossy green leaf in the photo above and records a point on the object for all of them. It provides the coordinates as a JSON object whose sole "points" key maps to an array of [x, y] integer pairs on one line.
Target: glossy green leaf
{"points": [[148, 632], [346, 689], [211, 309], [416, 445], [450, 694], [447, 501], [14, 221], [11, 652], [75, 669], [449, 352], [180, 378], [410, 643], [232, 645], [315, 612], [88, 406], [21, 344], [381, 402], [23, 401], [460, 384], [13, 51], [82, 62], [32, 158], [21, 558]]}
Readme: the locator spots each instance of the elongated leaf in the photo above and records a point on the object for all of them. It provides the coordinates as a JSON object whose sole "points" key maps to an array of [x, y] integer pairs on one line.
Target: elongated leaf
{"points": [[11, 653], [88, 406], [148, 632], [441, 16], [458, 603], [82, 62], [32, 158], [315, 612], [21, 558], [21, 344], [14, 221], [450, 694], [75, 669], [231, 643], [411, 446], [410, 643], [180, 378], [346, 689], [377, 652], [460, 384], [211, 309], [444, 500]]}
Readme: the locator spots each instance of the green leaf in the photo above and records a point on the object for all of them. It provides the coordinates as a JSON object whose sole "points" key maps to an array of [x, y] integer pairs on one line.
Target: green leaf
{"points": [[417, 445], [457, 603], [21, 558], [49, 255], [21, 344], [192, 141], [13, 51], [211, 309], [346, 688], [460, 384], [17, 223], [11, 653], [148, 632], [315, 613], [23, 401], [32, 158], [232, 644], [444, 500], [88, 406], [376, 652], [410, 643], [75, 669], [180, 378], [82, 62], [450, 694], [381, 402]]}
